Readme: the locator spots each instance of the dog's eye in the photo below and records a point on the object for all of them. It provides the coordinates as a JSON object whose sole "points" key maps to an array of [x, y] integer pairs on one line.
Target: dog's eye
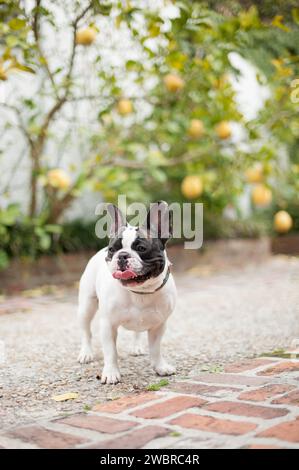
{"points": [[110, 250], [141, 248]]}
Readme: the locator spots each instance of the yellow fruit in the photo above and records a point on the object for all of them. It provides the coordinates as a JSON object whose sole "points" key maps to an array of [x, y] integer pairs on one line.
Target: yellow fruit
{"points": [[261, 195], [255, 174], [86, 36], [223, 130], [3, 75], [196, 129], [124, 107], [173, 82], [59, 179], [283, 222], [192, 186]]}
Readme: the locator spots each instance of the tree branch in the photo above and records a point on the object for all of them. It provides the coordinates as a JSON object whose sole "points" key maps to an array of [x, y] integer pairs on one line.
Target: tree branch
{"points": [[74, 46], [61, 204], [21, 125], [122, 163], [36, 33], [61, 100]]}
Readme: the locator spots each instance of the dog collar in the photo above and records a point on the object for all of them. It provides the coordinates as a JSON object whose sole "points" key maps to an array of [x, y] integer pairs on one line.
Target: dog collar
{"points": [[158, 288]]}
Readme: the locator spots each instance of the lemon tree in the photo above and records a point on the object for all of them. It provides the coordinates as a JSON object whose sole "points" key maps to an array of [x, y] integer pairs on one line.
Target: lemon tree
{"points": [[162, 120]]}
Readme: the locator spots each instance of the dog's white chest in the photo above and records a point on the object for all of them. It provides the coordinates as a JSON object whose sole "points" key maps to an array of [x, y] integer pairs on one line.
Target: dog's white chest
{"points": [[145, 314], [136, 319]]}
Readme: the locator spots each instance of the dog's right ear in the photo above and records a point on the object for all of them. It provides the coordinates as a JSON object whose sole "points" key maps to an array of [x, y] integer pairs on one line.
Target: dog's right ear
{"points": [[118, 220]]}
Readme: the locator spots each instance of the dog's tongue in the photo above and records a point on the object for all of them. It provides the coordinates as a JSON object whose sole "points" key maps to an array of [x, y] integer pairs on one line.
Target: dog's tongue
{"points": [[128, 274]]}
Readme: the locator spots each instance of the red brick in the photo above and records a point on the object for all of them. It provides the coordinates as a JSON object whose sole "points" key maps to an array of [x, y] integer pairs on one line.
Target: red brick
{"points": [[245, 409], [248, 364], [289, 399], [200, 389], [230, 379], [168, 407], [208, 423], [263, 393], [97, 423], [129, 401], [133, 440], [288, 431], [281, 368], [45, 438], [261, 446]]}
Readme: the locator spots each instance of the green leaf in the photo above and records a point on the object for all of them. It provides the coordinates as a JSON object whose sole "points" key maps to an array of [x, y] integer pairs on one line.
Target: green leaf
{"points": [[51, 228], [12, 41], [23, 68], [45, 242], [155, 387], [8, 216], [295, 14], [17, 24], [158, 175], [4, 260]]}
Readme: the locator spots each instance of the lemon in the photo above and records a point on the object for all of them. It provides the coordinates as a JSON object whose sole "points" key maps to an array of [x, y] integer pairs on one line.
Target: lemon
{"points": [[58, 178], [223, 130], [255, 174], [3, 75], [261, 195], [196, 129], [283, 222], [86, 36], [192, 186], [124, 107], [173, 82]]}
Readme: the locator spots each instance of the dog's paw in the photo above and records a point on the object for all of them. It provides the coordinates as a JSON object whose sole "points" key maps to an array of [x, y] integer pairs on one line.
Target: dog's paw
{"points": [[85, 355], [163, 368], [110, 375]]}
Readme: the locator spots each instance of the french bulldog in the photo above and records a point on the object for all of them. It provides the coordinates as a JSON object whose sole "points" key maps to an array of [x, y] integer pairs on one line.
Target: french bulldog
{"points": [[131, 283]]}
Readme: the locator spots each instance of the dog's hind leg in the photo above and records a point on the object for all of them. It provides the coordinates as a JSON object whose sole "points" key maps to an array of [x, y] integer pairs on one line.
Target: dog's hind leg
{"points": [[88, 306], [137, 348]]}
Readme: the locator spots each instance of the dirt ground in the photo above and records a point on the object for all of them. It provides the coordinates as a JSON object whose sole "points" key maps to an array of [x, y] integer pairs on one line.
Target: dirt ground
{"points": [[221, 315]]}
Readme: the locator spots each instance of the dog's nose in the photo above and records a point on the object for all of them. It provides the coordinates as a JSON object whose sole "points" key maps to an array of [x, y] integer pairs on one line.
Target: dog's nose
{"points": [[123, 260], [123, 256]]}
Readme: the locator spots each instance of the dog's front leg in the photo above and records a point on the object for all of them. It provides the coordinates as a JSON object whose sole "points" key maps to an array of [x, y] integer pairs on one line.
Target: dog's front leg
{"points": [[159, 364], [110, 374]]}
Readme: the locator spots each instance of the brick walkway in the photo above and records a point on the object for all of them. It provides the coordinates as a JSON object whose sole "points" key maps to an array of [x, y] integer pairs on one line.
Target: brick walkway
{"points": [[253, 404]]}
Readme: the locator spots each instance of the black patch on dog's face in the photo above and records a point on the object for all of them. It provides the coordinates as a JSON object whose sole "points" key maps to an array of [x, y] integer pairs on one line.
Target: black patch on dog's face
{"points": [[151, 253], [115, 245]]}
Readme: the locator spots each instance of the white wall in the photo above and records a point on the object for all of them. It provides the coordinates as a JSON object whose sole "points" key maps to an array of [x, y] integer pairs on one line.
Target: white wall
{"points": [[70, 143]]}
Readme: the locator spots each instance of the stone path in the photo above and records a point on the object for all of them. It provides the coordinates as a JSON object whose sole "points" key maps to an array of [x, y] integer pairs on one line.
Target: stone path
{"points": [[254, 404], [221, 317]]}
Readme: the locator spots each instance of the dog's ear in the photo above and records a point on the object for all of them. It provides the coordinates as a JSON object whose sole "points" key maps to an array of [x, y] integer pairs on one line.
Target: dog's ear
{"points": [[117, 220], [158, 223]]}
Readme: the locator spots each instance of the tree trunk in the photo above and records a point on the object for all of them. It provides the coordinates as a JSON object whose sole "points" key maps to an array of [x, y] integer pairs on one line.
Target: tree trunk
{"points": [[35, 155], [58, 208]]}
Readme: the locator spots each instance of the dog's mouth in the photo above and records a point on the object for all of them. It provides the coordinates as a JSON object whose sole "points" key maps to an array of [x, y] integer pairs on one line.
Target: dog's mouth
{"points": [[130, 278]]}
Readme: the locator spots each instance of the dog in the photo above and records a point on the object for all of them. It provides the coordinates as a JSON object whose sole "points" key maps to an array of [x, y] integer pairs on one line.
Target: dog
{"points": [[131, 283]]}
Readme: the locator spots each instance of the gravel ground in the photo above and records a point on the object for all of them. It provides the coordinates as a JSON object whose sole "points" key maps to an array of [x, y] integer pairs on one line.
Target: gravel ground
{"points": [[219, 318]]}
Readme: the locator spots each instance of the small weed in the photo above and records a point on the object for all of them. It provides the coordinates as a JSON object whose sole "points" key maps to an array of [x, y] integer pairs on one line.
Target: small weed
{"points": [[175, 434], [158, 386], [86, 407], [277, 353]]}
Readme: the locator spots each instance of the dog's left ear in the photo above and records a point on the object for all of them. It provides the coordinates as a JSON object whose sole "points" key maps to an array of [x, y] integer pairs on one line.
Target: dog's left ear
{"points": [[159, 221]]}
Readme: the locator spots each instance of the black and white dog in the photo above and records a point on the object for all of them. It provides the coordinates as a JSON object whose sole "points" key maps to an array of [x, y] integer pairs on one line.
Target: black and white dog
{"points": [[130, 281]]}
